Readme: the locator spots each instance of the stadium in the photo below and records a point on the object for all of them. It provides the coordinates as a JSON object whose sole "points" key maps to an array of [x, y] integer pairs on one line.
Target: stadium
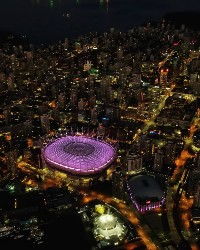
{"points": [[78, 155], [145, 192]]}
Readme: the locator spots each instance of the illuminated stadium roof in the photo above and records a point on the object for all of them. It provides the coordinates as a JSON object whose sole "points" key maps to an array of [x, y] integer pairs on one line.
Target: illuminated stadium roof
{"points": [[79, 155]]}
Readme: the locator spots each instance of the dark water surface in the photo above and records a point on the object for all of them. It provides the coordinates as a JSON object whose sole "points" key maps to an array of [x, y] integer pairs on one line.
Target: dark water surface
{"points": [[48, 21]]}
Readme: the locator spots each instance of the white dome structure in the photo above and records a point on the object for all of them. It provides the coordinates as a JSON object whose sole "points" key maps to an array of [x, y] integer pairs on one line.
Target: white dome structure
{"points": [[107, 222], [107, 226]]}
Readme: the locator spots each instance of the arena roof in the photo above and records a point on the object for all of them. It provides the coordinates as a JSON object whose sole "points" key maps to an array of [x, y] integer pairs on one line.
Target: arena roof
{"points": [[79, 155], [145, 187]]}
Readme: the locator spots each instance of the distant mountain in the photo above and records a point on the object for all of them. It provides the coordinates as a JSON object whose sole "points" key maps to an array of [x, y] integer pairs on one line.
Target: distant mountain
{"points": [[189, 18]]}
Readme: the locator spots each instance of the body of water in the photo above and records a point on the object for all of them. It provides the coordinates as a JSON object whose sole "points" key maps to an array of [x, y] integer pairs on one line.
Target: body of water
{"points": [[48, 21]]}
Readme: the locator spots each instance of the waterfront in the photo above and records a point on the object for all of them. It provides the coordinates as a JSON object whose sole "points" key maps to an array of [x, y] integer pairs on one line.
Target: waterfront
{"points": [[48, 21]]}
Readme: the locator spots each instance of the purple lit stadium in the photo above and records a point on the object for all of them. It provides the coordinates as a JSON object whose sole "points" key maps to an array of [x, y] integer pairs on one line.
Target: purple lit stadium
{"points": [[79, 155]]}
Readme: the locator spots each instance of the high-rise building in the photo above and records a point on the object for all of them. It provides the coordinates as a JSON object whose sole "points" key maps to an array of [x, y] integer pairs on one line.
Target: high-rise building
{"points": [[118, 184], [101, 131], [196, 202], [198, 162], [78, 46], [195, 83], [134, 162], [169, 153], [81, 104], [146, 147], [87, 65], [12, 161], [7, 115], [61, 101], [56, 114], [136, 78], [122, 78], [120, 52], [45, 124], [74, 98], [94, 119], [66, 44], [158, 160], [95, 40], [163, 77], [194, 177], [10, 81], [194, 66], [92, 101]]}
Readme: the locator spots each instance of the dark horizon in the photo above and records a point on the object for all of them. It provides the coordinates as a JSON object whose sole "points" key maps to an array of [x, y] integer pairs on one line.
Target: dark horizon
{"points": [[50, 21], [187, 18]]}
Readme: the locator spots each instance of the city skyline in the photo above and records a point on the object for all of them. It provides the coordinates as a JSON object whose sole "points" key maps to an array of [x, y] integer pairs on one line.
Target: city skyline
{"points": [[100, 134]]}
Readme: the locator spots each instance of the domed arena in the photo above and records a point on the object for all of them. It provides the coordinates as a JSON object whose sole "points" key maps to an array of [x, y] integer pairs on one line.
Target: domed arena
{"points": [[79, 155], [145, 192]]}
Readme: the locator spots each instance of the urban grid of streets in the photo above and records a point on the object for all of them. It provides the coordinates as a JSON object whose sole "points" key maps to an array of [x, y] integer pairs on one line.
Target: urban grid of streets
{"points": [[185, 204]]}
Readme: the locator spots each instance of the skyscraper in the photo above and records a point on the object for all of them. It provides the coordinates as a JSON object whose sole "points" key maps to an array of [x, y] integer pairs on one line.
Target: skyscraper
{"points": [[197, 196], [194, 177], [134, 162], [158, 160]]}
